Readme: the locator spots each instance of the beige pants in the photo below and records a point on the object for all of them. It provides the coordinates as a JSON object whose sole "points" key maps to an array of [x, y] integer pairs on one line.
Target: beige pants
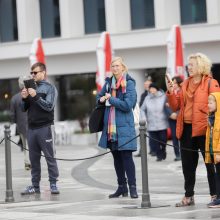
{"points": [[26, 152]]}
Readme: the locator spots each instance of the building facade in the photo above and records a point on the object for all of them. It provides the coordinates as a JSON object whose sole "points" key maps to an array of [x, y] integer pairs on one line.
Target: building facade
{"points": [[70, 30]]}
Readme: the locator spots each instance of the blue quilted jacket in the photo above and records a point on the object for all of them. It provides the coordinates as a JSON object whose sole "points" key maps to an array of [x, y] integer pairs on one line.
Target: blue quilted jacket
{"points": [[123, 103]]}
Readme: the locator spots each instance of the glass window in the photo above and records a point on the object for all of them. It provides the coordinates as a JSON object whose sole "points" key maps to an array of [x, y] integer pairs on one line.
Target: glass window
{"points": [[8, 87], [50, 18], [94, 13], [77, 96], [193, 11], [142, 14], [8, 21]]}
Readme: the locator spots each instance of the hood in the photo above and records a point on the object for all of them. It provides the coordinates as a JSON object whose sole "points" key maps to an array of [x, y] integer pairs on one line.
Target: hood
{"points": [[158, 94], [217, 98]]}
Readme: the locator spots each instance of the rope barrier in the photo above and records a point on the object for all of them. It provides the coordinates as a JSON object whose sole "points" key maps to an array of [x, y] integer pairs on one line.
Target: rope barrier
{"points": [[77, 159], [183, 148], [2, 140]]}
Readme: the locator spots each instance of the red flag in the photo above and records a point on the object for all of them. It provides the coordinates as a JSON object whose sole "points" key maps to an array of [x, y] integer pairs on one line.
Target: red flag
{"points": [[175, 61], [104, 57], [37, 52]]}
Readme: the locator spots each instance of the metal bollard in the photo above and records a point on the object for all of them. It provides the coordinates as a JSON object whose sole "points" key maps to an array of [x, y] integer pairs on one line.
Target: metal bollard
{"points": [[143, 144], [9, 191]]}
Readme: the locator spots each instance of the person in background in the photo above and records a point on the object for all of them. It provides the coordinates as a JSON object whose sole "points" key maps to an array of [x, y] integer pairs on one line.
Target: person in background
{"points": [[143, 96], [212, 150], [192, 104], [153, 111], [20, 119], [119, 95], [39, 103], [172, 116]]}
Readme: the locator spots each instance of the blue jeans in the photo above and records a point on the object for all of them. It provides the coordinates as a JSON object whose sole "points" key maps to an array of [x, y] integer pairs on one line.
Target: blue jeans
{"points": [[175, 141], [158, 141], [124, 166]]}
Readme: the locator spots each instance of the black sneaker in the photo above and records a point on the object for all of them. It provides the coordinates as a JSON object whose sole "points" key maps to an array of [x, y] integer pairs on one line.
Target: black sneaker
{"points": [[30, 190], [54, 189], [27, 166]]}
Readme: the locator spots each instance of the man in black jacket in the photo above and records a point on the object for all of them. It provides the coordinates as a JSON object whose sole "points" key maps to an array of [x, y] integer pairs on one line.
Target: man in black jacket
{"points": [[39, 100]]}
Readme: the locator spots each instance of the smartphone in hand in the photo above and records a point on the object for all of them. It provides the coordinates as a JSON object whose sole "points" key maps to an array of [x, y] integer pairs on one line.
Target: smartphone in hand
{"points": [[30, 83]]}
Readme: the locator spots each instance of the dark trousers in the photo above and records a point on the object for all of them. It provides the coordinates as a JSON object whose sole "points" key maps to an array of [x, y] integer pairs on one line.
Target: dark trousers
{"points": [[158, 140], [124, 167], [217, 179], [175, 141], [41, 140], [190, 161]]}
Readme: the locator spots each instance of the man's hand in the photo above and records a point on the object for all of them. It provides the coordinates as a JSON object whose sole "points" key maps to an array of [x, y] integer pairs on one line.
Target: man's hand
{"points": [[24, 93], [32, 92]]}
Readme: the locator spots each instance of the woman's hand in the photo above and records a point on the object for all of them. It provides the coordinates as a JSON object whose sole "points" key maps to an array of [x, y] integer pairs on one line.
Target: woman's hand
{"points": [[169, 83], [217, 158], [102, 99]]}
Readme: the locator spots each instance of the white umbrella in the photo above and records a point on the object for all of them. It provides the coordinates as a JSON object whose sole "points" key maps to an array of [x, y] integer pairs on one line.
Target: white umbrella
{"points": [[104, 57], [37, 52], [175, 60]]}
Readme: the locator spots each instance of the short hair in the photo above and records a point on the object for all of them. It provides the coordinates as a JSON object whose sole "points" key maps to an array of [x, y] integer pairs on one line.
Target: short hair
{"points": [[21, 81], [178, 79], [204, 63], [39, 64], [121, 61]]}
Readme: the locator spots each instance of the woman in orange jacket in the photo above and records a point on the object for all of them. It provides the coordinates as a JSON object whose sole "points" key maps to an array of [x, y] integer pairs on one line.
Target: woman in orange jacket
{"points": [[191, 125]]}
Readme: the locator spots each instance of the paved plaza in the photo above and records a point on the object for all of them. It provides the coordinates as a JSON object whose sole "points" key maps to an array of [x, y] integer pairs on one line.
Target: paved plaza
{"points": [[85, 186]]}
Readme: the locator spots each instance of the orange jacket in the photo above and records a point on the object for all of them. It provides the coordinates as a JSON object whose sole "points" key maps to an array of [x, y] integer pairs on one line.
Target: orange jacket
{"points": [[200, 105], [215, 134]]}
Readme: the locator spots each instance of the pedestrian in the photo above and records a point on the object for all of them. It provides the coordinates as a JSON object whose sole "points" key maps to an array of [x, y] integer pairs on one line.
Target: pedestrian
{"points": [[212, 154], [172, 116], [143, 96], [191, 102], [39, 103], [153, 111], [20, 119], [119, 96]]}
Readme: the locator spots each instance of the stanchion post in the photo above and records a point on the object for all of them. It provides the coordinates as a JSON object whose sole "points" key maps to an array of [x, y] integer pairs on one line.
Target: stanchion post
{"points": [[9, 191], [143, 144]]}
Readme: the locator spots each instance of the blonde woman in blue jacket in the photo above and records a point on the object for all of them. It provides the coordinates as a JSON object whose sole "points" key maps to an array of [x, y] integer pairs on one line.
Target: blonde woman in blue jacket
{"points": [[119, 96]]}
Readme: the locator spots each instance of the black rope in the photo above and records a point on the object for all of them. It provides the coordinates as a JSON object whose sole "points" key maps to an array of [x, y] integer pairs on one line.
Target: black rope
{"points": [[183, 148], [2, 140], [78, 159]]}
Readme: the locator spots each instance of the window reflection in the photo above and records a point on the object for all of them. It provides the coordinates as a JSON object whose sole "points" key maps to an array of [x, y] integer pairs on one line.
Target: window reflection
{"points": [[193, 11], [142, 14], [8, 21], [94, 13], [50, 18]]}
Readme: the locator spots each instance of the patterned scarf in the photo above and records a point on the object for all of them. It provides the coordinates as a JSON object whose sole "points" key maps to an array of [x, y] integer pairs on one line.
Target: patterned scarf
{"points": [[111, 119]]}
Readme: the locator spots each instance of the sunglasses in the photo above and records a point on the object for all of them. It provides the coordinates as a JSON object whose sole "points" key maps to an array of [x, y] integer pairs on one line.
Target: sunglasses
{"points": [[35, 72]]}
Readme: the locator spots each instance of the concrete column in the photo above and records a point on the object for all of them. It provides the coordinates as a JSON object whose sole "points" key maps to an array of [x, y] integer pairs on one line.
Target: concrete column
{"points": [[167, 13], [139, 76], [212, 7], [118, 17], [71, 18], [28, 17]]}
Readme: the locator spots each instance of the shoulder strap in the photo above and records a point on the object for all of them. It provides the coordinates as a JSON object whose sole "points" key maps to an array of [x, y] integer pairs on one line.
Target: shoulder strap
{"points": [[209, 83]]}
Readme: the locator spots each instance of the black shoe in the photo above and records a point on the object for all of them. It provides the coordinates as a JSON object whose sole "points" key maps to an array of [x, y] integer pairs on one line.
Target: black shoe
{"points": [[159, 159], [153, 154], [133, 192], [121, 191]]}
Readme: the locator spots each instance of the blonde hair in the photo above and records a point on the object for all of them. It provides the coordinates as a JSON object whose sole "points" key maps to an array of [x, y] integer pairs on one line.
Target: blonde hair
{"points": [[211, 98], [121, 61], [204, 63]]}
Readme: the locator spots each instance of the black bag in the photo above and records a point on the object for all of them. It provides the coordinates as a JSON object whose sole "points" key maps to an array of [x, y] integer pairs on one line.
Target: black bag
{"points": [[96, 119]]}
